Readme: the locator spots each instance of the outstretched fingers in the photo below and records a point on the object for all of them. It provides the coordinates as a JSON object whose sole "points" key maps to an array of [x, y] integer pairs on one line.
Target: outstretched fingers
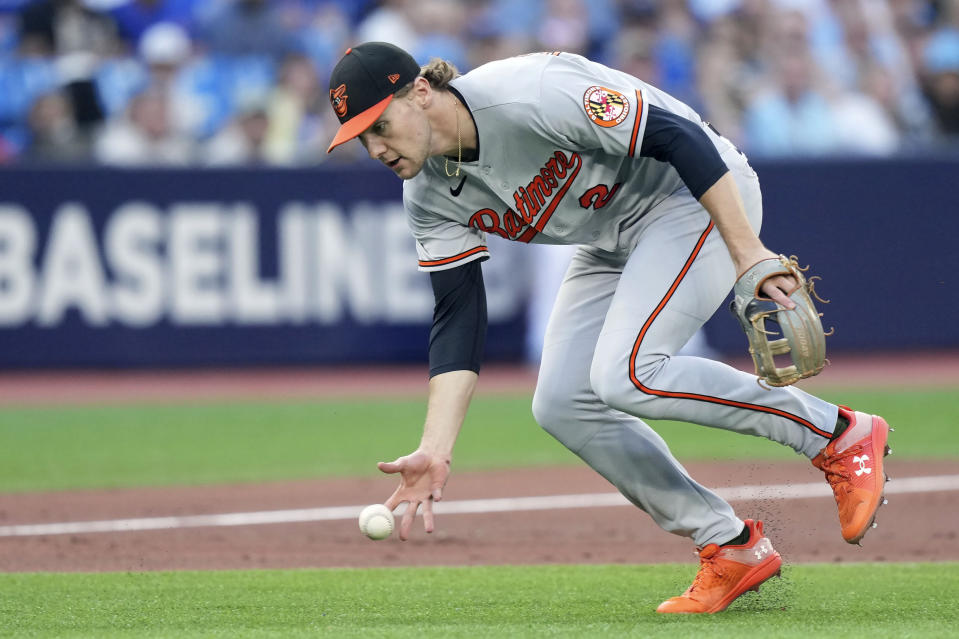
{"points": [[428, 515], [409, 515], [436, 488], [395, 500], [422, 479], [407, 522]]}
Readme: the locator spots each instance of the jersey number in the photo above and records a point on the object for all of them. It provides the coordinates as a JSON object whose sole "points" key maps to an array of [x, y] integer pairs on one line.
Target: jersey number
{"points": [[598, 196]]}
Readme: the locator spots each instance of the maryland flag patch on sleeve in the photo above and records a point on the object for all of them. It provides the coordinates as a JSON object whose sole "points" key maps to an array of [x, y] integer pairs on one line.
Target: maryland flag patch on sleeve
{"points": [[605, 107]]}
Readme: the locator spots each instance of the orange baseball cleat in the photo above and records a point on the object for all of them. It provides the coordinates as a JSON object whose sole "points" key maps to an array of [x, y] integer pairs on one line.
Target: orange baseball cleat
{"points": [[853, 463], [726, 572]]}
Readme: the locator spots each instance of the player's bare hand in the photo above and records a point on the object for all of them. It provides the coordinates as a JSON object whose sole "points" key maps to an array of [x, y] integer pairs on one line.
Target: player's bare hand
{"points": [[776, 288], [422, 479]]}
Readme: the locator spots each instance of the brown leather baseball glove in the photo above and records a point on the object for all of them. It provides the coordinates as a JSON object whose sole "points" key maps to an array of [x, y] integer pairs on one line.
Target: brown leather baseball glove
{"points": [[775, 330]]}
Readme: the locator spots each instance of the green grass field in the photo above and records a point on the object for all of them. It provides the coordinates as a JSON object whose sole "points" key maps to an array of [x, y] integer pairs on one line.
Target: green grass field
{"points": [[144, 444], [206, 442], [853, 600]]}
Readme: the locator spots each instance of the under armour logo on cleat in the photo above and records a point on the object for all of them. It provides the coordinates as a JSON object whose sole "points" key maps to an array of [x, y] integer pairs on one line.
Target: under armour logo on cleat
{"points": [[862, 465], [760, 551]]}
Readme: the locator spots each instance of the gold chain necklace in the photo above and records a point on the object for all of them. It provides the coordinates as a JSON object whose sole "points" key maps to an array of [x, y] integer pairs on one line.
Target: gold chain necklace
{"points": [[459, 146]]}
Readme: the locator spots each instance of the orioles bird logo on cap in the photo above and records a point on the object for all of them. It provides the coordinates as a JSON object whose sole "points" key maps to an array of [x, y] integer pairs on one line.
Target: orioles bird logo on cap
{"points": [[338, 98]]}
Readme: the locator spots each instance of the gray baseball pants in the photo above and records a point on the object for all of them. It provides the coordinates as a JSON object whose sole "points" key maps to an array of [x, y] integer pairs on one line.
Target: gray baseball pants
{"points": [[609, 362]]}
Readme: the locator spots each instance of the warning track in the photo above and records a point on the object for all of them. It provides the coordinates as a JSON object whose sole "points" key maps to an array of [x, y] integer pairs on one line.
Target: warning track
{"points": [[899, 370]]}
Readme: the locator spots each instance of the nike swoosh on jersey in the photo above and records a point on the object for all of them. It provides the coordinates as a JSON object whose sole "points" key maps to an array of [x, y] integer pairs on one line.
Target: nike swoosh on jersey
{"points": [[459, 187]]}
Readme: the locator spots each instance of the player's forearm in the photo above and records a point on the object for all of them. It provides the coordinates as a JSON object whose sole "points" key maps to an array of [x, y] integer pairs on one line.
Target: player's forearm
{"points": [[449, 398], [725, 206]]}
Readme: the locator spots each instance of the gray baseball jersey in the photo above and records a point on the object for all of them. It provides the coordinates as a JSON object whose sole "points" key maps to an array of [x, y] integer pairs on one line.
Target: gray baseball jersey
{"points": [[559, 162], [559, 140]]}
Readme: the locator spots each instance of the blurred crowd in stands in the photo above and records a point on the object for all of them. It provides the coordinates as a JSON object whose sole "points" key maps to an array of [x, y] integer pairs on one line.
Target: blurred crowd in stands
{"points": [[234, 82]]}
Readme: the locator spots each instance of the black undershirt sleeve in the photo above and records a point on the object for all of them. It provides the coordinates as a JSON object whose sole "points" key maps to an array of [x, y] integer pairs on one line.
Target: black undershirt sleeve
{"points": [[683, 143], [459, 319]]}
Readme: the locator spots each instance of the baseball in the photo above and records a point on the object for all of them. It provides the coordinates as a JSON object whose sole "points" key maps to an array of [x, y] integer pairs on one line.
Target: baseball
{"points": [[376, 521]]}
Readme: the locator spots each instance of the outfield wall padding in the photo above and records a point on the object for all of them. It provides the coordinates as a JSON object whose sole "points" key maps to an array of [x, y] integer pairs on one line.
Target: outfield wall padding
{"points": [[144, 268]]}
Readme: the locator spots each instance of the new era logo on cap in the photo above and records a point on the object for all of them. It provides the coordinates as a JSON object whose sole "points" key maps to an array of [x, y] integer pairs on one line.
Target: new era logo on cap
{"points": [[364, 82]]}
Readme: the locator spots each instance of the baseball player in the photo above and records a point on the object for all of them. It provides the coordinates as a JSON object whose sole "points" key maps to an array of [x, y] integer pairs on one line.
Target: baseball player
{"points": [[554, 148]]}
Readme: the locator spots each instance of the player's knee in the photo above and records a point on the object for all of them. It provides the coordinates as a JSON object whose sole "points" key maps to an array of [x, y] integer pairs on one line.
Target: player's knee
{"points": [[611, 387], [625, 390], [557, 412], [549, 410], [567, 412]]}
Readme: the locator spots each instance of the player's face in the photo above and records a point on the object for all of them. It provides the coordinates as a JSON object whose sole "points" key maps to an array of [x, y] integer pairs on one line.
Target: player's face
{"points": [[400, 138]]}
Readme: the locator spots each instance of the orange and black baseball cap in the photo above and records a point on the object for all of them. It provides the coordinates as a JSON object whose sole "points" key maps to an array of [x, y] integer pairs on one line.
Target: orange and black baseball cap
{"points": [[363, 83]]}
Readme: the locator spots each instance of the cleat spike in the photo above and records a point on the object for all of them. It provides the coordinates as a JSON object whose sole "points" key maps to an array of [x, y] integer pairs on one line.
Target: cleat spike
{"points": [[875, 525], [885, 501], [892, 430]]}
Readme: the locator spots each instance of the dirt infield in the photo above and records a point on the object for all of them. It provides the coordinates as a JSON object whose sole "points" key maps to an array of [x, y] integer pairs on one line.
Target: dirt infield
{"points": [[917, 526], [913, 527]]}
